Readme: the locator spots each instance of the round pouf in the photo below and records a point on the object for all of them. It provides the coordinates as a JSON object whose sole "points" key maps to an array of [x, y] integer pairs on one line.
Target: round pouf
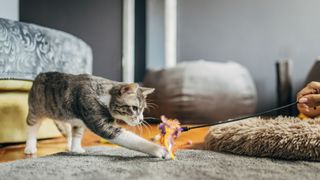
{"points": [[202, 92]]}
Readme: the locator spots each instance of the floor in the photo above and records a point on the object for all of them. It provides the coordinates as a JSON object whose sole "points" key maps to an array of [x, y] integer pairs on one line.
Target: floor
{"points": [[192, 139]]}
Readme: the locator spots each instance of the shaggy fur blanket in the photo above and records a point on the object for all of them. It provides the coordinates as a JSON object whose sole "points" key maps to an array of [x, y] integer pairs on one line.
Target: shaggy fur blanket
{"points": [[282, 138]]}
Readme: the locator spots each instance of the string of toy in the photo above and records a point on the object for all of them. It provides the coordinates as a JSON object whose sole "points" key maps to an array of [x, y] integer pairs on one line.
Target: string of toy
{"points": [[186, 128]]}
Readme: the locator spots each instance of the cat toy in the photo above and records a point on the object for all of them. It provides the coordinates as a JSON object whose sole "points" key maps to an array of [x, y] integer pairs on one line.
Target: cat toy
{"points": [[171, 129]]}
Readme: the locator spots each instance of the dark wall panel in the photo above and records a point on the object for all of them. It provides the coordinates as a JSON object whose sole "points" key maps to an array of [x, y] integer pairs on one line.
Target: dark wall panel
{"points": [[140, 40], [98, 22]]}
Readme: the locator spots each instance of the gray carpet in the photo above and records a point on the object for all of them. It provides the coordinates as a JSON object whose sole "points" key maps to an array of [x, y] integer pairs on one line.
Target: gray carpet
{"points": [[119, 163]]}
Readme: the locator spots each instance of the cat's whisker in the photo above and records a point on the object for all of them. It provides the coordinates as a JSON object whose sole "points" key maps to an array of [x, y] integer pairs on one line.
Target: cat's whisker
{"points": [[147, 126], [134, 129], [149, 100], [146, 123], [139, 128], [150, 108], [142, 127], [147, 108], [152, 104]]}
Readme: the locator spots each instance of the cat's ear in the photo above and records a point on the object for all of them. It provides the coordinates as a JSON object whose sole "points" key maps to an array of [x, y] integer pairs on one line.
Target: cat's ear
{"points": [[146, 91], [129, 88]]}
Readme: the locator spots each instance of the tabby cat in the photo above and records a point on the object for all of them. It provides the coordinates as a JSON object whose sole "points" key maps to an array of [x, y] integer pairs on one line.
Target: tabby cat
{"points": [[89, 101]]}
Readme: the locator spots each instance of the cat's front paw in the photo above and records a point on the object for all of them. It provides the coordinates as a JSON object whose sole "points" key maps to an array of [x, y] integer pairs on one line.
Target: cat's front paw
{"points": [[30, 150], [162, 153], [77, 150]]}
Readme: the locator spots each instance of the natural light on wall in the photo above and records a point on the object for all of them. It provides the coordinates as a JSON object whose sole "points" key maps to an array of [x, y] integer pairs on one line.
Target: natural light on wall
{"points": [[9, 9], [161, 18], [128, 41], [170, 33]]}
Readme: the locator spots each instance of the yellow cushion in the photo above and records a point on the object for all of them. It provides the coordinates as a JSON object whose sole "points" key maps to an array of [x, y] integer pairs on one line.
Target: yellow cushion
{"points": [[13, 113], [18, 85]]}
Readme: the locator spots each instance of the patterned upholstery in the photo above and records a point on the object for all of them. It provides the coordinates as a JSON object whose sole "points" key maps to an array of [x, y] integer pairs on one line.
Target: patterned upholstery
{"points": [[28, 49], [25, 51]]}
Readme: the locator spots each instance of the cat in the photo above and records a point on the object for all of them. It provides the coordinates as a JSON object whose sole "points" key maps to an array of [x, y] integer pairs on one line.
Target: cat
{"points": [[86, 101]]}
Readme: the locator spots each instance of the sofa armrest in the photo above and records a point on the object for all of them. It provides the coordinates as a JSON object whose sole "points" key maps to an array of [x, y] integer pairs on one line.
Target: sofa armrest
{"points": [[28, 49]]}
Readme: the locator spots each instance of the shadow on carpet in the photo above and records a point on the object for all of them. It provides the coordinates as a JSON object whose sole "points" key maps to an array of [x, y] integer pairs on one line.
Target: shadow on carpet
{"points": [[119, 163]]}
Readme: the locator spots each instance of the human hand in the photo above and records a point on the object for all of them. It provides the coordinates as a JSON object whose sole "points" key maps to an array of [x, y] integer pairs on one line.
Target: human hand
{"points": [[309, 96]]}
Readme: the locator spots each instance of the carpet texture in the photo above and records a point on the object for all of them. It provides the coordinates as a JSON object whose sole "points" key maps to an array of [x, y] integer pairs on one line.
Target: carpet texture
{"points": [[119, 163], [282, 138]]}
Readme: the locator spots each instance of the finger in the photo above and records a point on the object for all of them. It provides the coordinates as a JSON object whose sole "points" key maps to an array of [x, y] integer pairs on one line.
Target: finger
{"points": [[314, 85], [305, 91], [303, 100], [311, 88], [303, 107], [311, 100]]}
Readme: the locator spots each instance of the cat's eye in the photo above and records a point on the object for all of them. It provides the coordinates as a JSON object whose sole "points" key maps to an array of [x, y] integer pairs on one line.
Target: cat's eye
{"points": [[135, 108]]}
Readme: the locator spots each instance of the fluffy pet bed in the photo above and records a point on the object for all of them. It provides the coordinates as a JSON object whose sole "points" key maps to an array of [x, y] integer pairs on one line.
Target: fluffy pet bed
{"points": [[283, 138]]}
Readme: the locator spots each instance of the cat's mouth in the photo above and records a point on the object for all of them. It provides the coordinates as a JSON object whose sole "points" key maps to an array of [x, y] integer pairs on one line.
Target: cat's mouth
{"points": [[132, 122], [129, 121]]}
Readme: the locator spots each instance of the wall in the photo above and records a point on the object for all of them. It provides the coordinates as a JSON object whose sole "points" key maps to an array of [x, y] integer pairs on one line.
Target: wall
{"points": [[155, 34], [140, 40], [253, 33], [98, 22], [9, 9]]}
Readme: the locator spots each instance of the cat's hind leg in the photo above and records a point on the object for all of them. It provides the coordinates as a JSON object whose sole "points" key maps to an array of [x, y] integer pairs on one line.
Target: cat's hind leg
{"points": [[32, 131], [66, 130], [77, 133]]}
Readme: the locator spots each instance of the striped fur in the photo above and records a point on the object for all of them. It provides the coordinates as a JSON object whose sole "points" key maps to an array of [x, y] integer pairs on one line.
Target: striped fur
{"points": [[64, 97]]}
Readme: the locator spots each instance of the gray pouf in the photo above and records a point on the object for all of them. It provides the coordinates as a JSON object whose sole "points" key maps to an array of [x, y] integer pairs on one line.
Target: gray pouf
{"points": [[202, 92]]}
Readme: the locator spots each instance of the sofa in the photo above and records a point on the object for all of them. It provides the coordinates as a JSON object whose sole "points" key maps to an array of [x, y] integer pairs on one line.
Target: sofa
{"points": [[26, 50]]}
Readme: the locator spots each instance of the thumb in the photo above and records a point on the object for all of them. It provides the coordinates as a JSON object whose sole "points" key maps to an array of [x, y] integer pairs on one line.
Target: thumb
{"points": [[311, 100]]}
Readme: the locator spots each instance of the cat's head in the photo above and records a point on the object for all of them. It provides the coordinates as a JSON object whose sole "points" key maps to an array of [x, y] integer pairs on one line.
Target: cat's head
{"points": [[128, 102]]}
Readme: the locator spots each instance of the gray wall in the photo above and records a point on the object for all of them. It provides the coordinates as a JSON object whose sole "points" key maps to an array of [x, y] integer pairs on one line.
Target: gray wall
{"points": [[9, 9], [155, 34], [98, 22], [253, 33]]}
